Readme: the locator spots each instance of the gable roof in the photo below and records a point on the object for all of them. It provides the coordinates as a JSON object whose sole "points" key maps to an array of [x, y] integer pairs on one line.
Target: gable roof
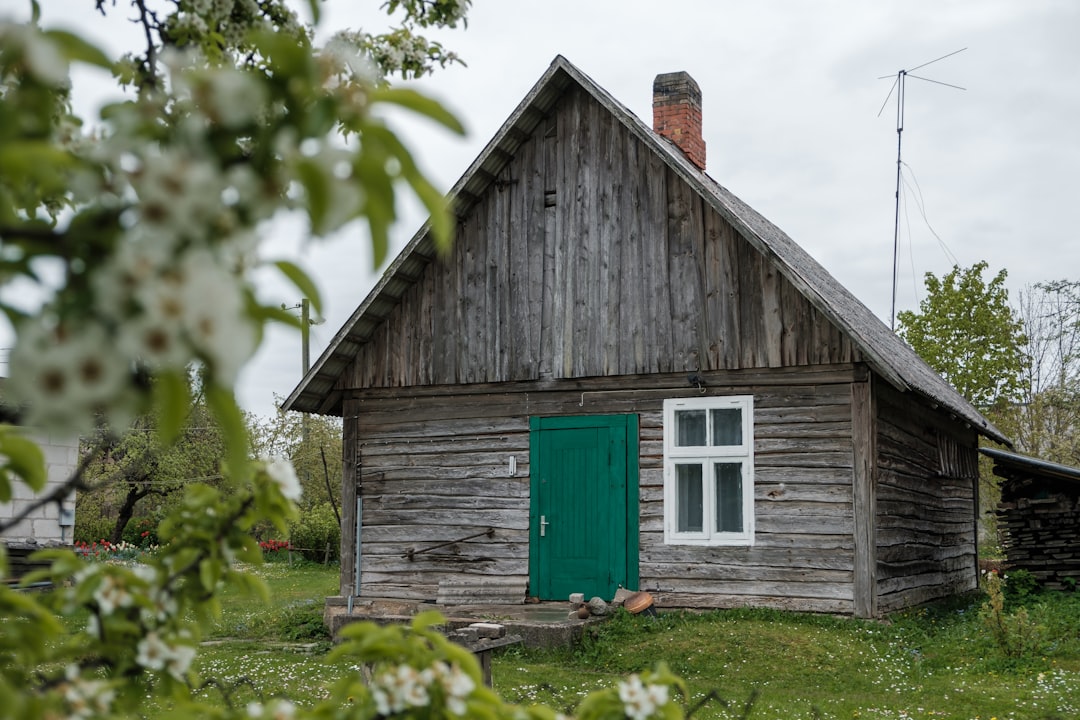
{"points": [[884, 351]]}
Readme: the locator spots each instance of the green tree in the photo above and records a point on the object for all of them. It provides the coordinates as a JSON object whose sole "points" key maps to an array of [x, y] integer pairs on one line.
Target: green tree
{"points": [[134, 474], [312, 443], [1045, 423], [966, 330]]}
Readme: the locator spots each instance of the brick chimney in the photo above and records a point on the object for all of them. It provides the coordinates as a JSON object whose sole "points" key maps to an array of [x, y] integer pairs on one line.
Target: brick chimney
{"points": [[677, 114]]}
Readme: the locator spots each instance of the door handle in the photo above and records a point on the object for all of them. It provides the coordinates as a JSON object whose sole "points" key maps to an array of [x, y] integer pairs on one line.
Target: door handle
{"points": [[543, 525]]}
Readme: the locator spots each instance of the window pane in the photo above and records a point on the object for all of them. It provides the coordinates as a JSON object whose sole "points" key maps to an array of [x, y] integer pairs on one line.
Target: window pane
{"points": [[727, 426], [729, 498], [690, 428], [691, 506]]}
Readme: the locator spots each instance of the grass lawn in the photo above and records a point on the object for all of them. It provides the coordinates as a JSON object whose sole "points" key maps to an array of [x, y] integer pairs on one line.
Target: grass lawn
{"points": [[938, 662], [935, 662]]}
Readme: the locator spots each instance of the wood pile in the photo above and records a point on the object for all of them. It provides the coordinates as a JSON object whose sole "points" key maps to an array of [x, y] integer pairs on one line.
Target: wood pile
{"points": [[1042, 536]]}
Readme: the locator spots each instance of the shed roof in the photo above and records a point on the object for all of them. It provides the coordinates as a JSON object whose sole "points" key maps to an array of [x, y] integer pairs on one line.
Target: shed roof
{"points": [[886, 353], [1014, 465]]}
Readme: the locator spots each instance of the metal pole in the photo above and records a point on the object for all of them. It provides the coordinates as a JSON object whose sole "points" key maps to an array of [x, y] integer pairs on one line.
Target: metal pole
{"points": [[305, 333], [896, 219]]}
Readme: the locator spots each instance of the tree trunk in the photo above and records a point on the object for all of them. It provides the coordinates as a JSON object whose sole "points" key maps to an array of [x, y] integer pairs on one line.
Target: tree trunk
{"points": [[135, 493]]}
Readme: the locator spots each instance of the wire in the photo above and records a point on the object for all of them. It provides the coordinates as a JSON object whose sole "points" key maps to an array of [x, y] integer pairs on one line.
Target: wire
{"points": [[954, 52], [922, 211]]}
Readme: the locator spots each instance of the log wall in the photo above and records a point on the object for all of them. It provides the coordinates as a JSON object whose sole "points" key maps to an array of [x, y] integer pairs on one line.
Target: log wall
{"points": [[925, 521], [435, 468]]}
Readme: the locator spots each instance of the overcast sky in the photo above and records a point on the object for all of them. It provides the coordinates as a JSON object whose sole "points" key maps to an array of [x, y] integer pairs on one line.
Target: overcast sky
{"points": [[791, 98]]}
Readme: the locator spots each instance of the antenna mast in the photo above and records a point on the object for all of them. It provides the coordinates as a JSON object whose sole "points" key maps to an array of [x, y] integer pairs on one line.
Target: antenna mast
{"points": [[899, 87]]}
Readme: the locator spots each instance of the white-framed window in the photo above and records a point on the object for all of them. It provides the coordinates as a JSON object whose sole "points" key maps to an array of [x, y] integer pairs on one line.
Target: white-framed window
{"points": [[709, 471]]}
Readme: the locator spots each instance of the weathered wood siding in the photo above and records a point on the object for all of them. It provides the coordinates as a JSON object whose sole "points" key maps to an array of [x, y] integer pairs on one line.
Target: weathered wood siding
{"points": [[435, 465], [589, 257], [926, 524]]}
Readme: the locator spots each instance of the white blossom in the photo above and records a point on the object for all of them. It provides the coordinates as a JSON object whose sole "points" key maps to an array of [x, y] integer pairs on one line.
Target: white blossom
{"points": [[456, 685], [40, 55], [179, 661], [282, 473], [177, 193], [641, 701], [111, 594], [400, 688], [86, 698], [153, 652], [230, 96], [63, 375]]}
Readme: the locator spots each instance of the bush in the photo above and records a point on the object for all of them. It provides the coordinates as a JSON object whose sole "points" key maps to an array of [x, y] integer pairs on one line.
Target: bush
{"points": [[317, 529], [90, 529], [140, 531]]}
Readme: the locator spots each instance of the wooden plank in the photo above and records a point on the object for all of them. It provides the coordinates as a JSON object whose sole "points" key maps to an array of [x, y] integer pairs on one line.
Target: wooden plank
{"points": [[864, 466], [656, 298], [751, 340], [710, 600], [548, 328], [686, 265], [350, 478], [771, 315], [611, 208], [631, 303], [526, 261]]}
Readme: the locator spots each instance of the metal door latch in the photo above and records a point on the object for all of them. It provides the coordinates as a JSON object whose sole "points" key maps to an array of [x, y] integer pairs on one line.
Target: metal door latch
{"points": [[543, 525]]}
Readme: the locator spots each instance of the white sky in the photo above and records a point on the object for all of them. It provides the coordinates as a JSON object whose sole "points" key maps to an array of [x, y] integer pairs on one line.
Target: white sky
{"points": [[791, 100]]}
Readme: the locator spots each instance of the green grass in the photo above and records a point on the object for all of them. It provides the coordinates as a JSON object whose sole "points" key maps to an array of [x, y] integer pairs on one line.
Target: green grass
{"points": [[933, 662], [293, 611], [936, 662]]}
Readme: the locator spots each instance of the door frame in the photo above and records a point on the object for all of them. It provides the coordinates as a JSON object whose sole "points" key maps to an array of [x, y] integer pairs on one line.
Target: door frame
{"points": [[631, 500]]}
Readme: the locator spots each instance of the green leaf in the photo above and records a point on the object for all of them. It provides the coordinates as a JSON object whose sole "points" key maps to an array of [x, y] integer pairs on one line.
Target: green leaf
{"points": [[76, 48], [420, 104], [302, 281], [173, 399], [223, 404], [315, 12], [25, 459], [208, 574], [317, 187]]}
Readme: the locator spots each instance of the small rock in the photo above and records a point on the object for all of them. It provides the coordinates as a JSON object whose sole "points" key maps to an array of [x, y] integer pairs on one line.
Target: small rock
{"points": [[620, 596], [466, 634], [493, 631], [597, 606], [577, 598]]}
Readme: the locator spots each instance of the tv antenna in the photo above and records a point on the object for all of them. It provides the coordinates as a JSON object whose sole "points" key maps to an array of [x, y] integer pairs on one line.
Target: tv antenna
{"points": [[899, 86]]}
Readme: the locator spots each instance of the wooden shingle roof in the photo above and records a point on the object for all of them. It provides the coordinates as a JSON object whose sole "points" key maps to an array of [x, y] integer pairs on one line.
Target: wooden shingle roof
{"points": [[885, 352]]}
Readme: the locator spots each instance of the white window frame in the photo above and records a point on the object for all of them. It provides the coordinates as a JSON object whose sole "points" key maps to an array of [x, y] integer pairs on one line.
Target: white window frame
{"points": [[709, 456]]}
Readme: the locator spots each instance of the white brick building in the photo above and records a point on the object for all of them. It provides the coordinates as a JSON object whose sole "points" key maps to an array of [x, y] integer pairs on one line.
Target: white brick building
{"points": [[49, 524]]}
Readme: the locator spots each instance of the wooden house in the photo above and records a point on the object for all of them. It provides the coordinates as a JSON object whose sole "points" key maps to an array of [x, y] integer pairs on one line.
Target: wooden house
{"points": [[1039, 517], [621, 374]]}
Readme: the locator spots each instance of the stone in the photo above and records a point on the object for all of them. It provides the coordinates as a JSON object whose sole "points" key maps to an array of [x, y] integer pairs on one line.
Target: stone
{"points": [[597, 606], [577, 598], [492, 631]]}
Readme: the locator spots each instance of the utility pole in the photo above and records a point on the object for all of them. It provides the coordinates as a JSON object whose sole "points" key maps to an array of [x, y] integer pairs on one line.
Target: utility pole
{"points": [[305, 334]]}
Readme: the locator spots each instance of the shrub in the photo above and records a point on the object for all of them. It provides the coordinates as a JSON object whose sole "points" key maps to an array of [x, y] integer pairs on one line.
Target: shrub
{"points": [[140, 531], [1015, 633], [316, 530], [1020, 586]]}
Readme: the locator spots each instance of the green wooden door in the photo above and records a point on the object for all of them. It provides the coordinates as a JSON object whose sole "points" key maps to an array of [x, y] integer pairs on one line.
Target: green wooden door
{"points": [[584, 505]]}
